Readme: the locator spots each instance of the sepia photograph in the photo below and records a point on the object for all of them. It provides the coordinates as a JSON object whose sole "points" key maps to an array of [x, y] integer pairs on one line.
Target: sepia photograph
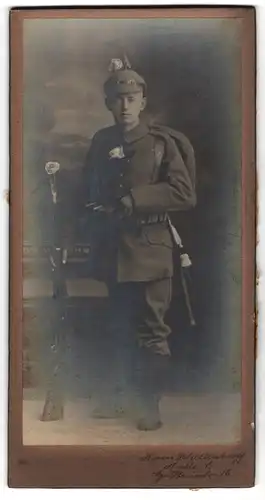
{"points": [[136, 248]]}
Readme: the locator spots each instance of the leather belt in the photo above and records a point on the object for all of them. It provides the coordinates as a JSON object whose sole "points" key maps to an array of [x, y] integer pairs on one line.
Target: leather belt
{"points": [[151, 219]]}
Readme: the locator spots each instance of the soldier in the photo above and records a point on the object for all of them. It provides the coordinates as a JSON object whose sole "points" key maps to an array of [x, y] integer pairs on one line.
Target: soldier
{"points": [[132, 191]]}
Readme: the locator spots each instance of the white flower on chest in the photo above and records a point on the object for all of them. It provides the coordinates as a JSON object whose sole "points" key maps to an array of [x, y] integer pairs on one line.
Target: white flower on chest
{"points": [[116, 153]]}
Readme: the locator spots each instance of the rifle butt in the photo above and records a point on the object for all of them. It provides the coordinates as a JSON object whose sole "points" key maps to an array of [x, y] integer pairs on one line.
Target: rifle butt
{"points": [[53, 408]]}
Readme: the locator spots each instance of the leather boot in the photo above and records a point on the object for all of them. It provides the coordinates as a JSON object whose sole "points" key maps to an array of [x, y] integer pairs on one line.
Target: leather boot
{"points": [[114, 402], [108, 410], [150, 374]]}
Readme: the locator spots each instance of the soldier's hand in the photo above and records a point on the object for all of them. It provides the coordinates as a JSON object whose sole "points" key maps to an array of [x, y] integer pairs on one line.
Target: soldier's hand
{"points": [[126, 205]]}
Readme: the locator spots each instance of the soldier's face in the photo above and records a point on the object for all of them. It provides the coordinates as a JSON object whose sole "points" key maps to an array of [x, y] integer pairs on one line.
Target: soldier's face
{"points": [[126, 108]]}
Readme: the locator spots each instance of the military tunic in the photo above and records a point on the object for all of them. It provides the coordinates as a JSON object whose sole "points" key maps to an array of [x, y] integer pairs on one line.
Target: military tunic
{"points": [[134, 256], [124, 163]]}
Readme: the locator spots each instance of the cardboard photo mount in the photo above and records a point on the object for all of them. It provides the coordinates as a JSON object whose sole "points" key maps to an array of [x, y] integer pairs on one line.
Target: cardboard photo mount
{"points": [[167, 466]]}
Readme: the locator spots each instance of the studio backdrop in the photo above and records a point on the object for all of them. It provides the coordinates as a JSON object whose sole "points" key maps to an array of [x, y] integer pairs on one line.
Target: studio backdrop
{"points": [[192, 69]]}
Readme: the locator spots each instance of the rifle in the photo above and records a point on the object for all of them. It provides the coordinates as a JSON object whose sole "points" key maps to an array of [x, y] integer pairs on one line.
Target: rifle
{"points": [[54, 406]]}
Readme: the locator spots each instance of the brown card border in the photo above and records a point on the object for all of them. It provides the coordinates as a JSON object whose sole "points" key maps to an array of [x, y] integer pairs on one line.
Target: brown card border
{"points": [[131, 466]]}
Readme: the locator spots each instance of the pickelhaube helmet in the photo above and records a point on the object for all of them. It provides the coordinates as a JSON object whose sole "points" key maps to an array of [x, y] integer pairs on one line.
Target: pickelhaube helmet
{"points": [[123, 79]]}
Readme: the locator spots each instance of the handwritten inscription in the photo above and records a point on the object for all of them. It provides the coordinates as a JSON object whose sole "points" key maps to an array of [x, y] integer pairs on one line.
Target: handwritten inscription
{"points": [[192, 465]]}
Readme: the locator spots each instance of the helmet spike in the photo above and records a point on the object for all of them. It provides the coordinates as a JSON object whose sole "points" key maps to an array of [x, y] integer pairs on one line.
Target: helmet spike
{"points": [[126, 62]]}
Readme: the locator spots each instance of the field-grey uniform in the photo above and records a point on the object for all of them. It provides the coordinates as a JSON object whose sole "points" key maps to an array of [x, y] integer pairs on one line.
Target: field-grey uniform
{"points": [[134, 255]]}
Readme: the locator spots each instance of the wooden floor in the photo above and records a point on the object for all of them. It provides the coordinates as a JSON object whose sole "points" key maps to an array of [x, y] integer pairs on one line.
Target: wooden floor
{"points": [[188, 419]]}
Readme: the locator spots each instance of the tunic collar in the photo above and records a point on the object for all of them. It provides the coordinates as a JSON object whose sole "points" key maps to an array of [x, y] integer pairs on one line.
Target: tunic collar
{"points": [[136, 133]]}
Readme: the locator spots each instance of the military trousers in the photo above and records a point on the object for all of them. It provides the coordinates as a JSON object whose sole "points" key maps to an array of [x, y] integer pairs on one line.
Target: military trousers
{"points": [[136, 313], [135, 320]]}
